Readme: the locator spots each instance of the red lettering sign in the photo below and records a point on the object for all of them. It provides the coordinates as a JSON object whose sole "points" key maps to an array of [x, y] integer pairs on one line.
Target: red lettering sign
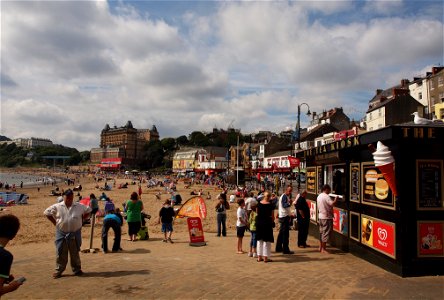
{"points": [[196, 231], [384, 237]]}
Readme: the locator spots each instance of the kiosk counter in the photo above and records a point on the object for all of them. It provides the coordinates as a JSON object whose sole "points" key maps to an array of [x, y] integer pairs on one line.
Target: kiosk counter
{"points": [[390, 182]]}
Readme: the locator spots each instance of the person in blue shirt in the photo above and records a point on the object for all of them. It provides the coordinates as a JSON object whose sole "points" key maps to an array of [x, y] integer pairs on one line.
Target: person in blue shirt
{"points": [[112, 220]]}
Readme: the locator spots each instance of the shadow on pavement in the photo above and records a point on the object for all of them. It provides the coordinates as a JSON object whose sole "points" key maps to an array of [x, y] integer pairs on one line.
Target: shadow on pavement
{"points": [[116, 273], [137, 251], [295, 258]]}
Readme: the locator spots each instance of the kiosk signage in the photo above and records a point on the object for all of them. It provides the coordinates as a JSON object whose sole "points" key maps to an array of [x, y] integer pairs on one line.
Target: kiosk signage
{"points": [[429, 181], [430, 238], [196, 232], [376, 190], [340, 221], [379, 235], [311, 180], [313, 211]]}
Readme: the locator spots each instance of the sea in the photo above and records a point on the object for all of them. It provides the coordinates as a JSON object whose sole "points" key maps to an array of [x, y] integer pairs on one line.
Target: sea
{"points": [[28, 179]]}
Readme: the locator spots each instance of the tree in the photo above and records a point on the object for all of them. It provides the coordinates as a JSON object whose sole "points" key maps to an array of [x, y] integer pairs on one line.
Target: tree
{"points": [[182, 140], [168, 144], [152, 154], [197, 138]]}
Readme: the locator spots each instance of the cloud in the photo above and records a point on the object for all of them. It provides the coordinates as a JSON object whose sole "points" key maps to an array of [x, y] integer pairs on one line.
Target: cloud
{"points": [[251, 62]]}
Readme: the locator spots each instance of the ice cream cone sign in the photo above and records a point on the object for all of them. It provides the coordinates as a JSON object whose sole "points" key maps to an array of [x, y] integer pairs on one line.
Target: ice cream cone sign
{"points": [[385, 162]]}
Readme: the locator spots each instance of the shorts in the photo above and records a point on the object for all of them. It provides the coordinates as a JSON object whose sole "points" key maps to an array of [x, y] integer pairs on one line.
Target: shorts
{"points": [[167, 227], [325, 228], [240, 231]]}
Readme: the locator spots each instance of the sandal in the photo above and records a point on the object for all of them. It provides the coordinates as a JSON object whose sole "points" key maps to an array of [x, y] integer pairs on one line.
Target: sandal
{"points": [[268, 260], [259, 260]]}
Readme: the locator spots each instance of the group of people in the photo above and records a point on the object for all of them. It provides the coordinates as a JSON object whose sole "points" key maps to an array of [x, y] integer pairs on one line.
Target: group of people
{"points": [[257, 215]]}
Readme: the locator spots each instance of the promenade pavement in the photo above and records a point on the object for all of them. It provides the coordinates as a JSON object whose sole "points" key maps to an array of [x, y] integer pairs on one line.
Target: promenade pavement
{"points": [[156, 270]]}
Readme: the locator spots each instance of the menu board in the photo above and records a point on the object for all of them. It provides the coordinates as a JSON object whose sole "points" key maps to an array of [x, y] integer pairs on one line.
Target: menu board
{"points": [[313, 211], [379, 235], [311, 180], [320, 179], [429, 181], [355, 182], [340, 221], [430, 238], [355, 228], [376, 190]]}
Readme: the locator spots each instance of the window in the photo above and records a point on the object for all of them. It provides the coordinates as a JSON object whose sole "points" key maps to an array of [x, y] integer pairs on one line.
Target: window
{"points": [[380, 112], [335, 177], [370, 116], [420, 96], [441, 96], [431, 85], [440, 81]]}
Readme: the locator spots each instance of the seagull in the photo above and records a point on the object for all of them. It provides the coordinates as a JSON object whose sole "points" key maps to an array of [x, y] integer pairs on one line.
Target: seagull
{"points": [[418, 120]]}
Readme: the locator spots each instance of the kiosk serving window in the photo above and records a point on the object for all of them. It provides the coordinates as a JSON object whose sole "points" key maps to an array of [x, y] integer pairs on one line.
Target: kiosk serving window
{"points": [[335, 177]]}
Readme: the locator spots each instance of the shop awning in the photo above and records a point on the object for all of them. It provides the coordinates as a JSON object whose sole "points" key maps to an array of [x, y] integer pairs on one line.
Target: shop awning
{"points": [[111, 163]]}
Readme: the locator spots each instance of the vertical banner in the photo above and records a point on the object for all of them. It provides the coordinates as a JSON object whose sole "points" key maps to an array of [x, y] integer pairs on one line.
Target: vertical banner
{"points": [[430, 238], [313, 211], [195, 230], [355, 182], [311, 180], [340, 221], [379, 235]]}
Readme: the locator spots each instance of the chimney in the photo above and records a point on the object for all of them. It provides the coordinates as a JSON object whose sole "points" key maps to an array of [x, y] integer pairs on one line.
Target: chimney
{"points": [[404, 83], [378, 91], [435, 70], [314, 115]]}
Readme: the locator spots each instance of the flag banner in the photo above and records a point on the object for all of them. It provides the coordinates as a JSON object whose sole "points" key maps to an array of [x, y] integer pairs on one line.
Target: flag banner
{"points": [[294, 162], [193, 207]]}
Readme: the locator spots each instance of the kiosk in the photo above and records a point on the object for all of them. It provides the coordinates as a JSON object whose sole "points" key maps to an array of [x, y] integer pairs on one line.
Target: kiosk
{"points": [[401, 228]]}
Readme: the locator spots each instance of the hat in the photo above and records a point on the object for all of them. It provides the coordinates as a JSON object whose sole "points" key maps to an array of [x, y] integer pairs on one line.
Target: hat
{"points": [[68, 192]]}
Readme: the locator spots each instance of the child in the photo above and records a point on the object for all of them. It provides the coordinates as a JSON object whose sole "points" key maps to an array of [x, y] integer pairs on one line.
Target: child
{"points": [[252, 221], [9, 226], [241, 224], [166, 215]]}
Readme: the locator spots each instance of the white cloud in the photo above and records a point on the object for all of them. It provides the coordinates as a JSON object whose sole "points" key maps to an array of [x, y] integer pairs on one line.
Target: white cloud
{"points": [[251, 62]]}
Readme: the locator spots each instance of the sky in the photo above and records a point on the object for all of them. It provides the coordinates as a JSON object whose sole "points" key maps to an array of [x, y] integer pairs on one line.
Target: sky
{"points": [[68, 68]]}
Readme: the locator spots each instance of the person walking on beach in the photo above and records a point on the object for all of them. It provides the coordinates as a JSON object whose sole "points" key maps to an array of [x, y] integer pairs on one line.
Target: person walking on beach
{"points": [[67, 217], [325, 209], [284, 205], [9, 226], [133, 210], [221, 211], [264, 228], [166, 216], [303, 219]]}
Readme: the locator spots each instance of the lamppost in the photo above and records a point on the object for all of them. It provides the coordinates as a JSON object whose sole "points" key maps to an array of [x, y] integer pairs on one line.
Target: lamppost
{"points": [[298, 128]]}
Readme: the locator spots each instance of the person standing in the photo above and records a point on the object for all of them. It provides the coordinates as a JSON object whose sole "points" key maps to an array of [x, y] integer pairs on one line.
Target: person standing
{"points": [[325, 208], [9, 226], [67, 217], [284, 205], [134, 209], [303, 219], [264, 228], [114, 221], [221, 214], [166, 216], [241, 224]]}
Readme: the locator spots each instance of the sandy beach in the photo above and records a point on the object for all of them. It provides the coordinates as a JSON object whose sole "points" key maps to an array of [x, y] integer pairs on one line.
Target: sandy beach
{"points": [[35, 228]]}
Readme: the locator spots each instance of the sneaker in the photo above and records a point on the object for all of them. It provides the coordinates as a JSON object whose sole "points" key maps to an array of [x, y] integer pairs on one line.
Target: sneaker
{"points": [[164, 241], [254, 254], [171, 241], [78, 273], [250, 254]]}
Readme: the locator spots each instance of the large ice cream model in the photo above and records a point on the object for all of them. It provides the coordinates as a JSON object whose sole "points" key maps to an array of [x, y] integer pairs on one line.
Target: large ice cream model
{"points": [[385, 162]]}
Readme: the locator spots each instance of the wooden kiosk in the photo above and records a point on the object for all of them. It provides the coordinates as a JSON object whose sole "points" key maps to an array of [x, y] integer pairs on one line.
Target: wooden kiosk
{"points": [[403, 234]]}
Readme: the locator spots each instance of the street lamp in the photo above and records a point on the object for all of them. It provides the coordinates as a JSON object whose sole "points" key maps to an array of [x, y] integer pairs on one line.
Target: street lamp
{"points": [[298, 128]]}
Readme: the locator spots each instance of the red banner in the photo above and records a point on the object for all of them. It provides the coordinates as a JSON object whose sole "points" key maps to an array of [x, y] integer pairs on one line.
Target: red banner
{"points": [[196, 232], [336, 219], [384, 237], [294, 162]]}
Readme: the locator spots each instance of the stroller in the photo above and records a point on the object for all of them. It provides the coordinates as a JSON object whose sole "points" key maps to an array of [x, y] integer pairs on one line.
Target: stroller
{"points": [[143, 232]]}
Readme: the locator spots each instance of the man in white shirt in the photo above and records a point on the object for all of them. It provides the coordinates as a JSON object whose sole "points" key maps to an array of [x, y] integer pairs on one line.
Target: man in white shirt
{"points": [[67, 216], [284, 222], [325, 208]]}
